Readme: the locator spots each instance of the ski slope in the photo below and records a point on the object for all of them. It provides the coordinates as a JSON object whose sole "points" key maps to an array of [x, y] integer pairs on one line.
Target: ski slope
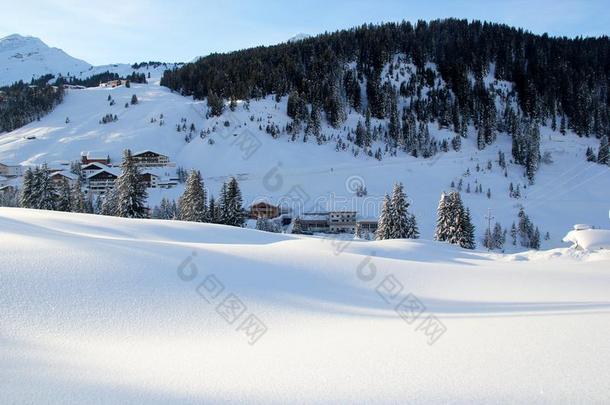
{"points": [[567, 191], [103, 310]]}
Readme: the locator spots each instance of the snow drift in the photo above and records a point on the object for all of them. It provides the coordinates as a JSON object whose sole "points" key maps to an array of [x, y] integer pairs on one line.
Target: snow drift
{"points": [[108, 310], [589, 239]]}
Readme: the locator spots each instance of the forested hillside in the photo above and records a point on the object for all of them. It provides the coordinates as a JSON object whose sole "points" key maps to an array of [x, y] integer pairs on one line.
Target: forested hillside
{"points": [[22, 103], [458, 73]]}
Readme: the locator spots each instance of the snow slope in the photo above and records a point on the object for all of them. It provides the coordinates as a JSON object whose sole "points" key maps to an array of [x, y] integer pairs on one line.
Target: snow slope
{"points": [[566, 192], [93, 310]]}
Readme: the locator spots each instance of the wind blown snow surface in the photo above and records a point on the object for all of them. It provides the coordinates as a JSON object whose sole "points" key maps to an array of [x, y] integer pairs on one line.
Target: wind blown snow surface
{"points": [[107, 310]]}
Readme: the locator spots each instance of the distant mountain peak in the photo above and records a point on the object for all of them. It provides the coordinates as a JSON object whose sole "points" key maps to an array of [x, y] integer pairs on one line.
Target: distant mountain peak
{"points": [[27, 57], [299, 37]]}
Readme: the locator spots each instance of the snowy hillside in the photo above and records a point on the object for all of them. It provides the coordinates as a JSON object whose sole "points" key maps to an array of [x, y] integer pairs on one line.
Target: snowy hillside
{"points": [[26, 58], [123, 317], [567, 191]]}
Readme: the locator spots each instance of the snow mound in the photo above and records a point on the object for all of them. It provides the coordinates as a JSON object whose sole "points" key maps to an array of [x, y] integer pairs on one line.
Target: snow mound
{"points": [[109, 310], [589, 239]]}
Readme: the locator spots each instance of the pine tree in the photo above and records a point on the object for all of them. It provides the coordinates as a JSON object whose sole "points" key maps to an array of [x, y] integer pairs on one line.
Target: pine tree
{"points": [[385, 225], [402, 223], [456, 143], [360, 134], [413, 229], [481, 137], [297, 227], [213, 216], [215, 104], [513, 234], [27, 189], [443, 219], [193, 202], [88, 206], [604, 151], [466, 238], [533, 152], [453, 222], [64, 197], [535, 239], [78, 199], [590, 155], [231, 204], [131, 190], [111, 202], [45, 190]]}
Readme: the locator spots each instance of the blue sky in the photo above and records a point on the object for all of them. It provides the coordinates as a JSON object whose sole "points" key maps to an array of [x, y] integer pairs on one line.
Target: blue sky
{"points": [[103, 32]]}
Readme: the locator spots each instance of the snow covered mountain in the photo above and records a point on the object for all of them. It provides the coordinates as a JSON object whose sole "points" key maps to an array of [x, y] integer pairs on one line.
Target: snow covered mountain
{"points": [[25, 58], [123, 317]]}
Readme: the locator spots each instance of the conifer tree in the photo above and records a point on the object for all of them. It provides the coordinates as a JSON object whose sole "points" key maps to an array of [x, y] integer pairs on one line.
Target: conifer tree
{"points": [[213, 211], [233, 204], [78, 199], [590, 155], [466, 238], [297, 227], [28, 189], [443, 219], [604, 151], [64, 197], [111, 202], [385, 225], [402, 223], [193, 202], [131, 190], [45, 191]]}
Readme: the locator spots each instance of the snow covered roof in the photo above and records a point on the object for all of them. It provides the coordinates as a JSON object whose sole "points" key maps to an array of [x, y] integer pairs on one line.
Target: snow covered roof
{"points": [[68, 175], [150, 173], [148, 151], [315, 216], [88, 166], [95, 155], [109, 170]]}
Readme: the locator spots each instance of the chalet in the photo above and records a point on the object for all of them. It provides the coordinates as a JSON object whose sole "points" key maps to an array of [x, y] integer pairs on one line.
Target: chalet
{"points": [[91, 157], [342, 221], [112, 83], [151, 180], [58, 177], [8, 170], [149, 158], [101, 181], [91, 168], [167, 183], [264, 210], [368, 225], [3, 181], [315, 222], [335, 222]]}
